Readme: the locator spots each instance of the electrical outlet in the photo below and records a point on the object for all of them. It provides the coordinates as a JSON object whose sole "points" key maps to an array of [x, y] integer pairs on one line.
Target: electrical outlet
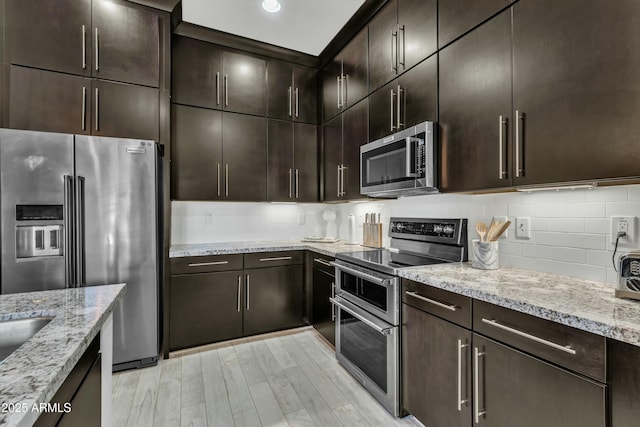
{"points": [[623, 224], [502, 219], [523, 227]]}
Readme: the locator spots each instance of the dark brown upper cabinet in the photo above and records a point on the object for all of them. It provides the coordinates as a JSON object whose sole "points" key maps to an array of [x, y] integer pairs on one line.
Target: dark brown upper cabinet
{"points": [[292, 169], [575, 90], [292, 92], [218, 156], [475, 108], [206, 75], [57, 102], [408, 100], [343, 136], [401, 35], [345, 79], [112, 40], [456, 17]]}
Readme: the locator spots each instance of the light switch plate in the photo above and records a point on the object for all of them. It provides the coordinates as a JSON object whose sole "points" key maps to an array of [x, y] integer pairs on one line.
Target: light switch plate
{"points": [[523, 227]]}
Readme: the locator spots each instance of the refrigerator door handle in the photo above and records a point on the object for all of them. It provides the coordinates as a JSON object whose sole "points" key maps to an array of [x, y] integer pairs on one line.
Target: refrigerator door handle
{"points": [[68, 232], [80, 229]]}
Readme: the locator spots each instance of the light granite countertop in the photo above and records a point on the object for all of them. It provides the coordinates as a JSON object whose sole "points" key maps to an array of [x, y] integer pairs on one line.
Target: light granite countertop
{"points": [[582, 304], [225, 248], [34, 372]]}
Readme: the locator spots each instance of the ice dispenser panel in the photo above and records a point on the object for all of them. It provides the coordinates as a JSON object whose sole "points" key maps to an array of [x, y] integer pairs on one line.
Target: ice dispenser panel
{"points": [[34, 239]]}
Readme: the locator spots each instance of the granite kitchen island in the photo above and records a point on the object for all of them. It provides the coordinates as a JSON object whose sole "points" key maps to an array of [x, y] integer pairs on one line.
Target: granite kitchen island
{"points": [[32, 374]]}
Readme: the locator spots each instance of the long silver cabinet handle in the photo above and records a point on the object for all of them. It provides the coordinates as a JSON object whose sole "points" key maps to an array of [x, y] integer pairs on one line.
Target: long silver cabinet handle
{"points": [[290, 183], [502, 121], [217, 87], [321, 261], [226, 90], [297, 184], [278, 258], [520, 117], [218, 178], [383, 331], [226, 180], [239, 291], [80, 231], [248, 284], [394, 51], [393, 127], [342, 192], [290, 101], [97, 51], [84, 108], [566, 349], [297, 109], [477, 413], [68, 231], [403, 61], [84, 47], [431, 301], [339, 169], [97, 109], [461, 401], [339, 91], [399, 123], [204, 264]]}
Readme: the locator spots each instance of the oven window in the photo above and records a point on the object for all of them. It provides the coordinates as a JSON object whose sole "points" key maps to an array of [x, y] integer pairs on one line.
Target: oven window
{"points": [[370, 292], [385, 164], [365, 348]]}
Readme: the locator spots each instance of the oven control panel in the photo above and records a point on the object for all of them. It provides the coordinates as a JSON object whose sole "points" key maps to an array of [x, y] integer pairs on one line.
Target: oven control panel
{"points": [[437, 230]]}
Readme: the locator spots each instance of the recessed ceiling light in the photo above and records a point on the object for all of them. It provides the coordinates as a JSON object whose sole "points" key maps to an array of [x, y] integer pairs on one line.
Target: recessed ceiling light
{"points": [[271, 6]]}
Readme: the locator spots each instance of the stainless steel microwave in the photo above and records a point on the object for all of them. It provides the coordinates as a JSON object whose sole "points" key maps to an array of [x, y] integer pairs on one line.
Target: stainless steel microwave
{"points": [[401, 164]]}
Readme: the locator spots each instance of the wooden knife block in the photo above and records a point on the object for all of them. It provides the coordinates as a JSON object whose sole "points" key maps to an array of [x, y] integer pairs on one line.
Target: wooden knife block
{"points": [[372, 235]]}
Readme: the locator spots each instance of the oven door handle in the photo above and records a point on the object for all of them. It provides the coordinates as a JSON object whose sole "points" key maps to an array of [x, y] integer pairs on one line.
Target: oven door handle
{"points": [[361, 274], [383, 331]]}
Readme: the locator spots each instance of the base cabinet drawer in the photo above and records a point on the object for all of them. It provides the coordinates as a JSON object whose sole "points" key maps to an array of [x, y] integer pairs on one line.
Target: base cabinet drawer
{"points": [[205, 308], [515, 389]]}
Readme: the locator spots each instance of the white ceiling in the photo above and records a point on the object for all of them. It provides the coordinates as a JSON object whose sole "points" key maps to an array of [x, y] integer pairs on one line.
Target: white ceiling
{"points": [[303, 25]]}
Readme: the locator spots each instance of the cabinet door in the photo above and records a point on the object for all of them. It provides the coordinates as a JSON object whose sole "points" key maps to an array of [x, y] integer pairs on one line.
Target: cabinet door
{"points": [[273, 299], [280, 88], [517, 389], [432, 350], [125, 110], [331, 90], [576, 87], [196, 154], [624, 382], [456, 17], [87, 402], [419, 93], [244, 151], [245, 83], [355, 134], [49, 34], [383, 45], [196, 67], [305, 161], [47, 101], [332, 158], [355, 66], [323, 310], [418, 36], [305, 95], [205, 308], [280, 169], [383, 116], [475, 91], [126, 43]]}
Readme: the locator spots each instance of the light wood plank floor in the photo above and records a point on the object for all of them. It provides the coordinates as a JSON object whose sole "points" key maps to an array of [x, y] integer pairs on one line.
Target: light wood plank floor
{"points": [[285, 380]]}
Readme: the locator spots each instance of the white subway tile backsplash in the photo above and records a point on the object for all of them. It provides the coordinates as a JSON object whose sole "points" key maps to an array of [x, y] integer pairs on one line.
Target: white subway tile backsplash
{"points": [[587, 272], [627, 208], [607, 194], [570, 255], [510, 248], [574, 240], [597, 226], [537, 251], [600, 258], [634, 192], [522, 262], [555, 267], [586, 210], [551, 211], [566, 225]]}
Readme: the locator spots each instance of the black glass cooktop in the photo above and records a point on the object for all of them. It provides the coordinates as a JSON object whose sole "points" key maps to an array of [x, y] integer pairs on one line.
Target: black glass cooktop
{"points": [[386, 261]]}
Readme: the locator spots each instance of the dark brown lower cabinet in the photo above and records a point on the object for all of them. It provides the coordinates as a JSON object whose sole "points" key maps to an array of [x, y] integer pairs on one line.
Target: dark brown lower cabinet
{"points": [[624, 383], [273, 299], [205, 308], [323, 284], [516, 389], [434, 389], [83, 390]]}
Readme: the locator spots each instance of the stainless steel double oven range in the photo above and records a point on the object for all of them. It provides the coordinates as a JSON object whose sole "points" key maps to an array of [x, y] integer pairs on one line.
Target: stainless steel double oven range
{"points": [[368, 299]]}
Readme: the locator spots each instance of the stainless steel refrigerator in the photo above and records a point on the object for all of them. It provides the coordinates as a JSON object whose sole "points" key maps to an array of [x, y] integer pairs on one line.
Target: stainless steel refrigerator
{"points": [[84, 211]]}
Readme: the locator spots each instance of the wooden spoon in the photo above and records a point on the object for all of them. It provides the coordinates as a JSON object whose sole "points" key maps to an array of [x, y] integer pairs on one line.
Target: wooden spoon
{"points": [[481, 229], [501, 231], [493, 228]]}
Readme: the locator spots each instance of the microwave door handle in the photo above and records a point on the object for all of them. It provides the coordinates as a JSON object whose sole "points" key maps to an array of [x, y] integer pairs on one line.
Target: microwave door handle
{"points": [[411, 156]]}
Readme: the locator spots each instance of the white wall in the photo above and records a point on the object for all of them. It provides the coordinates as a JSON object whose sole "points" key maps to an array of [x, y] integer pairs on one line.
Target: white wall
{"points": [[570, 228]]}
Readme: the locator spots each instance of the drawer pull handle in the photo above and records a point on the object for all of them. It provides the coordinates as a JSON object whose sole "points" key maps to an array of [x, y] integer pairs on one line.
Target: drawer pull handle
{"points": [[429, 300], [321, 261], [566, 349], [278, 258], [203, 264]]}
